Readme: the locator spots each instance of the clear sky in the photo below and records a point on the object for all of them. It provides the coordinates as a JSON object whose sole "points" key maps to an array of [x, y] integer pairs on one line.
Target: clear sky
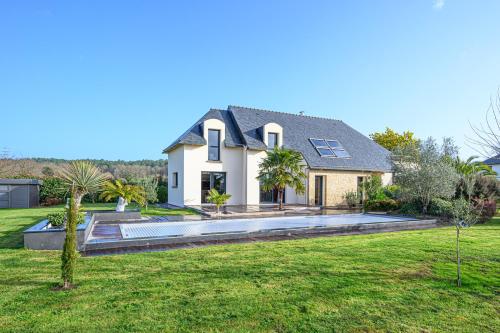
{"points": [[122, 79]]}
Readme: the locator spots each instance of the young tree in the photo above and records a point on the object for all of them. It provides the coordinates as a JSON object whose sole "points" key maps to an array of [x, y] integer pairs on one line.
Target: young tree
{"points": [[80, 177], [150, 186], [281, 168], [425, 172], [464, 215], [391, 139], [218, 199], [124, 192]]}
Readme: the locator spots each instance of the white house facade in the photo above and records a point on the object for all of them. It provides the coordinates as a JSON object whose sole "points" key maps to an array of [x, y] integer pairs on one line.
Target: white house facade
{"points": [[224, 148]]}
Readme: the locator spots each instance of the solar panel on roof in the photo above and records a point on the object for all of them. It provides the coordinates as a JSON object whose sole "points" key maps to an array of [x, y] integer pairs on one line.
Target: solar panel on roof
{"points": [[326, 152], [334, 144], [341, 153], [329, 148], [319, 143]]}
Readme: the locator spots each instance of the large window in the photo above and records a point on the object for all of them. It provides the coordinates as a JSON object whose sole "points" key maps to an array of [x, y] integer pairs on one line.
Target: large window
{"points": [[213, 145], [210, 180], [272, 140]]}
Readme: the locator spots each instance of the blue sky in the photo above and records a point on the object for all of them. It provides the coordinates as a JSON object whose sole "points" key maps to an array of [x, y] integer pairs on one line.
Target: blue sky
{"points": [[122, 79]]}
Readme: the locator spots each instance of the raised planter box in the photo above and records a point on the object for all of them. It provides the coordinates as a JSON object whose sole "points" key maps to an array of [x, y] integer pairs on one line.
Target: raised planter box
{"points": [[41, 237]]}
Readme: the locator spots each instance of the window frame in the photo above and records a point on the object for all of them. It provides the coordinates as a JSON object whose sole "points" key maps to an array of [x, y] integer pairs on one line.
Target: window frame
{"points": [[211, 146], [175, 179], [276, 141]]}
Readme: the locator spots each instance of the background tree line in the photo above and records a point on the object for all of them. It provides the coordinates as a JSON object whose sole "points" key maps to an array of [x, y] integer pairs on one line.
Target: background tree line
{"points": [[150, 174]]}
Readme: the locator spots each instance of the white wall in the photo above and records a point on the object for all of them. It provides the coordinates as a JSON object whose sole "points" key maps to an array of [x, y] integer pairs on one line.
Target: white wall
{"points": [[176, 164], [253, 185], [195, 161], [496, 168], [387, 178]]}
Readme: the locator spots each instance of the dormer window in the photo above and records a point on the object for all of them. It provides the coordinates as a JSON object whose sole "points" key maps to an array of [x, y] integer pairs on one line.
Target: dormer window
{"points": [[213, 145], [272, 140]]}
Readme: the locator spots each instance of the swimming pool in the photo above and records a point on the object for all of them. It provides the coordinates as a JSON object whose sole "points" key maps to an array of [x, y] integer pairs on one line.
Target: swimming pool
{"points": [[243, 226]]}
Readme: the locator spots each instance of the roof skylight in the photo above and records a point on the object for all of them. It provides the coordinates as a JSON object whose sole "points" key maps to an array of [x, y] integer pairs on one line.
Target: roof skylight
{"points": [[329, 148]]}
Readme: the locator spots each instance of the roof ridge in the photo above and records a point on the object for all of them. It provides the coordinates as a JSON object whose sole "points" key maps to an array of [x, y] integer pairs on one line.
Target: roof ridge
{"points": [[287, 113]]}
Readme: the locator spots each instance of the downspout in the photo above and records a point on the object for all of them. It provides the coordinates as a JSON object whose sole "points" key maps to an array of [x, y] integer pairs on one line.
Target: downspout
{"points": [[245, 175]]}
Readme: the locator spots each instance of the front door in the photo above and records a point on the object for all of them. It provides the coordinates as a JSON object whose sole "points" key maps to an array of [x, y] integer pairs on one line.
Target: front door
{"points": [[318, 190]]}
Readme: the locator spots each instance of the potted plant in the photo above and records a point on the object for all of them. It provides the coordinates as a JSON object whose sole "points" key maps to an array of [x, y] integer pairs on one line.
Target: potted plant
{"points": [[124, 192], [218, 199]]}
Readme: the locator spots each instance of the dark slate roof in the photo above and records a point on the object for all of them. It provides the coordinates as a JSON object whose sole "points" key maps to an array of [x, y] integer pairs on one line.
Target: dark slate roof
{"points": [[6, 181], [298, 129], [243, 128], [194, 135], [492, 160]]}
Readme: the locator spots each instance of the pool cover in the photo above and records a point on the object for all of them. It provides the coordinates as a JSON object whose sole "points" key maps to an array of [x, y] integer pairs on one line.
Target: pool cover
{"points": [[238, 226]]}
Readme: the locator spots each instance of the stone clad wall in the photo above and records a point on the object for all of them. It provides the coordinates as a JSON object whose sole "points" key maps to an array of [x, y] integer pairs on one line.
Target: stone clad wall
{"points": [[336, 184]]}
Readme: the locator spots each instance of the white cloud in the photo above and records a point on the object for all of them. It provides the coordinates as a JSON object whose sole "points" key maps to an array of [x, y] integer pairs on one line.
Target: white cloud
{"points": [[438, 4]]}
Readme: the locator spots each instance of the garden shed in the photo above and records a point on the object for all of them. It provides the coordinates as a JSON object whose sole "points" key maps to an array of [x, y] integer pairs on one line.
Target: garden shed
{"points": [[19, 193]]}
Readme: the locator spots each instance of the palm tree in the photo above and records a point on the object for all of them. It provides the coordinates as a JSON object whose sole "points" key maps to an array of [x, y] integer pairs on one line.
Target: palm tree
{"points": [[81, 177], [281, 168], [218, 199], [124, 192], [469, 170]]}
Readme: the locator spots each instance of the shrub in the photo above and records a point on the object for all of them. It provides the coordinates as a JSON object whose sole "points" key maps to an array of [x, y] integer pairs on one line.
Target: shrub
{"points": [[440, 207], [373, 188], [489, 208], [57, 219], [411, 208], [381, 205], [486, 187], [52, 191], [392, 192], [352, 198], [162, 193]]}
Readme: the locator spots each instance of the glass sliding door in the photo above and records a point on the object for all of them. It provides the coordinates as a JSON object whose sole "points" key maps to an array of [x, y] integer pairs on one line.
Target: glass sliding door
{"points": [[210, 180]]}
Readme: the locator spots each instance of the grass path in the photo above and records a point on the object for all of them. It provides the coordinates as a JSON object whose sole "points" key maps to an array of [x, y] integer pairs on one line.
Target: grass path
{"points": [[398, 282]]}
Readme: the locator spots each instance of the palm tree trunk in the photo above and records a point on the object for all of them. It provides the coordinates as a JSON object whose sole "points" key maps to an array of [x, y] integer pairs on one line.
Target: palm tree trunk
{"points": [[280, 198], [459, 273]]}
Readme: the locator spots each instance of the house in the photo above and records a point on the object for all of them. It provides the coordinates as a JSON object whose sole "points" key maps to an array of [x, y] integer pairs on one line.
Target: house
{"points": [[223, 149], [494, 163]]}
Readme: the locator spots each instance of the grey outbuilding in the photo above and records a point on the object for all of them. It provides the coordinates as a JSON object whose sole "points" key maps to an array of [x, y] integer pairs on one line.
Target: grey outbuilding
{"points": [[19, 193]]}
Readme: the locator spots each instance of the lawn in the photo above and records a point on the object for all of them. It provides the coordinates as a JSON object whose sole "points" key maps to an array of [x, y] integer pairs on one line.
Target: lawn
{"points": [[394, 282]]}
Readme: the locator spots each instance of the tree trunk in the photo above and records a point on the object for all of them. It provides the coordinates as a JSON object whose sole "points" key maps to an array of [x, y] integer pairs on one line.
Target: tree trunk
{"points": [[280, 199], [69, 253], [459, 273]]}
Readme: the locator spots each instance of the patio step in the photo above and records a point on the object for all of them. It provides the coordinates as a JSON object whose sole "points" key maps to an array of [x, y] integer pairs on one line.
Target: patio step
{"points": [[167, 243]]}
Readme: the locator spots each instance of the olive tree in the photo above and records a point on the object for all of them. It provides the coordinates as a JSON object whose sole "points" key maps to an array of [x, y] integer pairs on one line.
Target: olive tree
{"points": [[464, 215], [426, 171]]}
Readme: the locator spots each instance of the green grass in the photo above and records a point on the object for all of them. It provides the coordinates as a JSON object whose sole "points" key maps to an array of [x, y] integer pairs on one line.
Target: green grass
{"points": [[398, 282]]}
